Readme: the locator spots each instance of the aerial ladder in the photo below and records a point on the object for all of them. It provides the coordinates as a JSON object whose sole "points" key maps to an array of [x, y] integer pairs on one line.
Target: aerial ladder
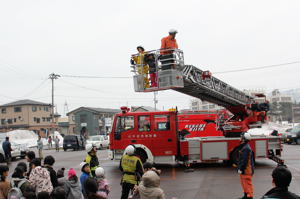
{"points": [[172, 73]]}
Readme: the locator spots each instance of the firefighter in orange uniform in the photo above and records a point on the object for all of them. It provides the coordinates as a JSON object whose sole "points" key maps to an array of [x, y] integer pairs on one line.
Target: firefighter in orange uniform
{"points": [[246, 166], [168, 42]]}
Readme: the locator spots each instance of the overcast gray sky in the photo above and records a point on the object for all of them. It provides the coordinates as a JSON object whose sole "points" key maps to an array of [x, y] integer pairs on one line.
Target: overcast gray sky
{"points": [[86, 37]]}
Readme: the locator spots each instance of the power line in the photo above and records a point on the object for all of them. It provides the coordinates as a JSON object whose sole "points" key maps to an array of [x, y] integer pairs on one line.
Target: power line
{"points": [[257, 68], [96, 77], [36, 88]]}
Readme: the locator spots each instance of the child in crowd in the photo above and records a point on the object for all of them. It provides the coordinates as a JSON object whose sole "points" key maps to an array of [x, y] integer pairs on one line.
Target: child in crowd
{"points": [[72, 187], [103, 186], [85, 169], [43, 195]]}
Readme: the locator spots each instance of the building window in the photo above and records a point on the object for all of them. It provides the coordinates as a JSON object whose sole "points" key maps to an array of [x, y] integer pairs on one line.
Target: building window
{"points": [[9, 121], [40, 108], [83, 118], [34, 109], [162, 122], [15, 120], [44, 119], [73, 118], [18, 109], [46, 108], [144, 123], [3, 110], [38, 120], [48, 119], [3, 121]]}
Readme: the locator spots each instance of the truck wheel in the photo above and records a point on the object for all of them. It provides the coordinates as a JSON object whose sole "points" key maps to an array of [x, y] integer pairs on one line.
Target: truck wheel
{"points": [[141, 154], [65, 149], [1, 158]]}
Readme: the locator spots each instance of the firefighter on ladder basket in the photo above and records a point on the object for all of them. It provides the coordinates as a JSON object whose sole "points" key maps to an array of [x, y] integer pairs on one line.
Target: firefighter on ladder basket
{"points": [[246, 166], [142, 67], [132, 169], [167, 57]]}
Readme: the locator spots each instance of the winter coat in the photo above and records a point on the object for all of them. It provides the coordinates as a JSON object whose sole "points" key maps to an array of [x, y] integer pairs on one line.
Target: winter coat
{"points": [[40, 179], [53, 176], [4, 188], [93, 162], [149, 187], [16, 182], [103, 187], [40, 144], [246, 159], [83, 178], [281, 193], [72, 190], [6, 146]]}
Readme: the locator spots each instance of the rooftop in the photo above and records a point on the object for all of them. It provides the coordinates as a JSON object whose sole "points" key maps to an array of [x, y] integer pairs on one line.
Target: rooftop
{"points": [[25, 102]]}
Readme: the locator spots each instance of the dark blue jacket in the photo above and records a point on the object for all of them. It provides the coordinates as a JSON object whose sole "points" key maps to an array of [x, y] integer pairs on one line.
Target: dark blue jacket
{"points": [[244, 153], [6, 147], [83, 178]]}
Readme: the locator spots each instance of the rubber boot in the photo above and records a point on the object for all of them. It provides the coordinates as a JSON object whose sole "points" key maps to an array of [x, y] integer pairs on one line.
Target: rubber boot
{"points": [[244, 197]]}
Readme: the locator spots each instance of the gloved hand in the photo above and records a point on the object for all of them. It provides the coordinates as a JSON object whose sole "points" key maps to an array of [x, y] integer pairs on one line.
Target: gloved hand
{"points": [[240, 172]]}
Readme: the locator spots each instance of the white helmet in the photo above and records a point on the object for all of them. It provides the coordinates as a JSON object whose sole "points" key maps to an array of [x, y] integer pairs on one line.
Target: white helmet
{"points": [[173, 31], [83, 164], [130, 150], [99, 172], [246, 136], [89, 147]]}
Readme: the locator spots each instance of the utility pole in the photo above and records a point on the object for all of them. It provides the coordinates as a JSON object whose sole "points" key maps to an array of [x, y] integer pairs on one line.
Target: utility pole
{"points": [[155, 100], [52, 76]]}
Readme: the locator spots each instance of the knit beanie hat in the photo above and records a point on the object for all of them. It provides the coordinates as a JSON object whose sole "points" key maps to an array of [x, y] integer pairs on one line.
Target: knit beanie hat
{"points": [[71, 173]]}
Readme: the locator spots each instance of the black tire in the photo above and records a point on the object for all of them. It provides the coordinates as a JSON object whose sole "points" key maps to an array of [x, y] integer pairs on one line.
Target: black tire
{"points": [[65, 149], [2, 159], [141, 154]]}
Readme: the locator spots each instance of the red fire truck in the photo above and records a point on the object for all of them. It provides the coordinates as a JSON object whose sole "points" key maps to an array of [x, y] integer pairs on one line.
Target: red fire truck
{"points": [[169, 136]]}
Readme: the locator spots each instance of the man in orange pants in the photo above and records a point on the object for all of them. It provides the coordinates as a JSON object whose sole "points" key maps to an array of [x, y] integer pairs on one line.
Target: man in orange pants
{"points": [[246, 166]]}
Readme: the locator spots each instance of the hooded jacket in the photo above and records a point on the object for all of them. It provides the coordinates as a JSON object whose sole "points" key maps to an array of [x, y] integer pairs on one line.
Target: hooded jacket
{"points": [[72, 189], [40, 179], [16, 182], [149, 187]]}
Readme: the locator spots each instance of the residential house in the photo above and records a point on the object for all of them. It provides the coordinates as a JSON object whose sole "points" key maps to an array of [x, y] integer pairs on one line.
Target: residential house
{"points": [[26, 114], [91, 121]]}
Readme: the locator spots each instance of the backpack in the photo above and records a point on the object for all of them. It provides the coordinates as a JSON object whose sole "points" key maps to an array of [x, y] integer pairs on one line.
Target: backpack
{"points": [[15, 192]]}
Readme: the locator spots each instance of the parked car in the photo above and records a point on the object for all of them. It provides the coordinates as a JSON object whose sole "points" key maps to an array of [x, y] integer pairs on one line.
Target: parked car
{"points": [[285, 133], [15, 151], [100, 141], [293, 136], [75, 142]]}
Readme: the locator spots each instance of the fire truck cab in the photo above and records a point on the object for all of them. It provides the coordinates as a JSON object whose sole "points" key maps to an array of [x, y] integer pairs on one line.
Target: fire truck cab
{"points": [[154, 134]]}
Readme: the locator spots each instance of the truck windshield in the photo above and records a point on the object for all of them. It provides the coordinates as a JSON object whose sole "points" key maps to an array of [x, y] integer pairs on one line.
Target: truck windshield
{"points": [[125, 123]]}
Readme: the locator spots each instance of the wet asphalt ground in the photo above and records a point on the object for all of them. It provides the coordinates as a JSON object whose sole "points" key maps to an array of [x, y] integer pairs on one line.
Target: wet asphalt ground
{"points": [[207, 181]]}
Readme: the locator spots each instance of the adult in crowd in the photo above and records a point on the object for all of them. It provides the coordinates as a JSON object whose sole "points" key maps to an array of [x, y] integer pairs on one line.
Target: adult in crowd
{"points": [[6, 146], [56, 142], [4, 183], [40, 177], [132, 169], [246, 166], [92, 158], [59, 193], [282, 178], [48, 164], [40, 147], [49, 142]]}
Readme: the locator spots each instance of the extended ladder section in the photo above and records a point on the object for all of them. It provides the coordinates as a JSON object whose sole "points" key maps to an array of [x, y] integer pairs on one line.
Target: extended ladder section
{"points": [[167, 71]]}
